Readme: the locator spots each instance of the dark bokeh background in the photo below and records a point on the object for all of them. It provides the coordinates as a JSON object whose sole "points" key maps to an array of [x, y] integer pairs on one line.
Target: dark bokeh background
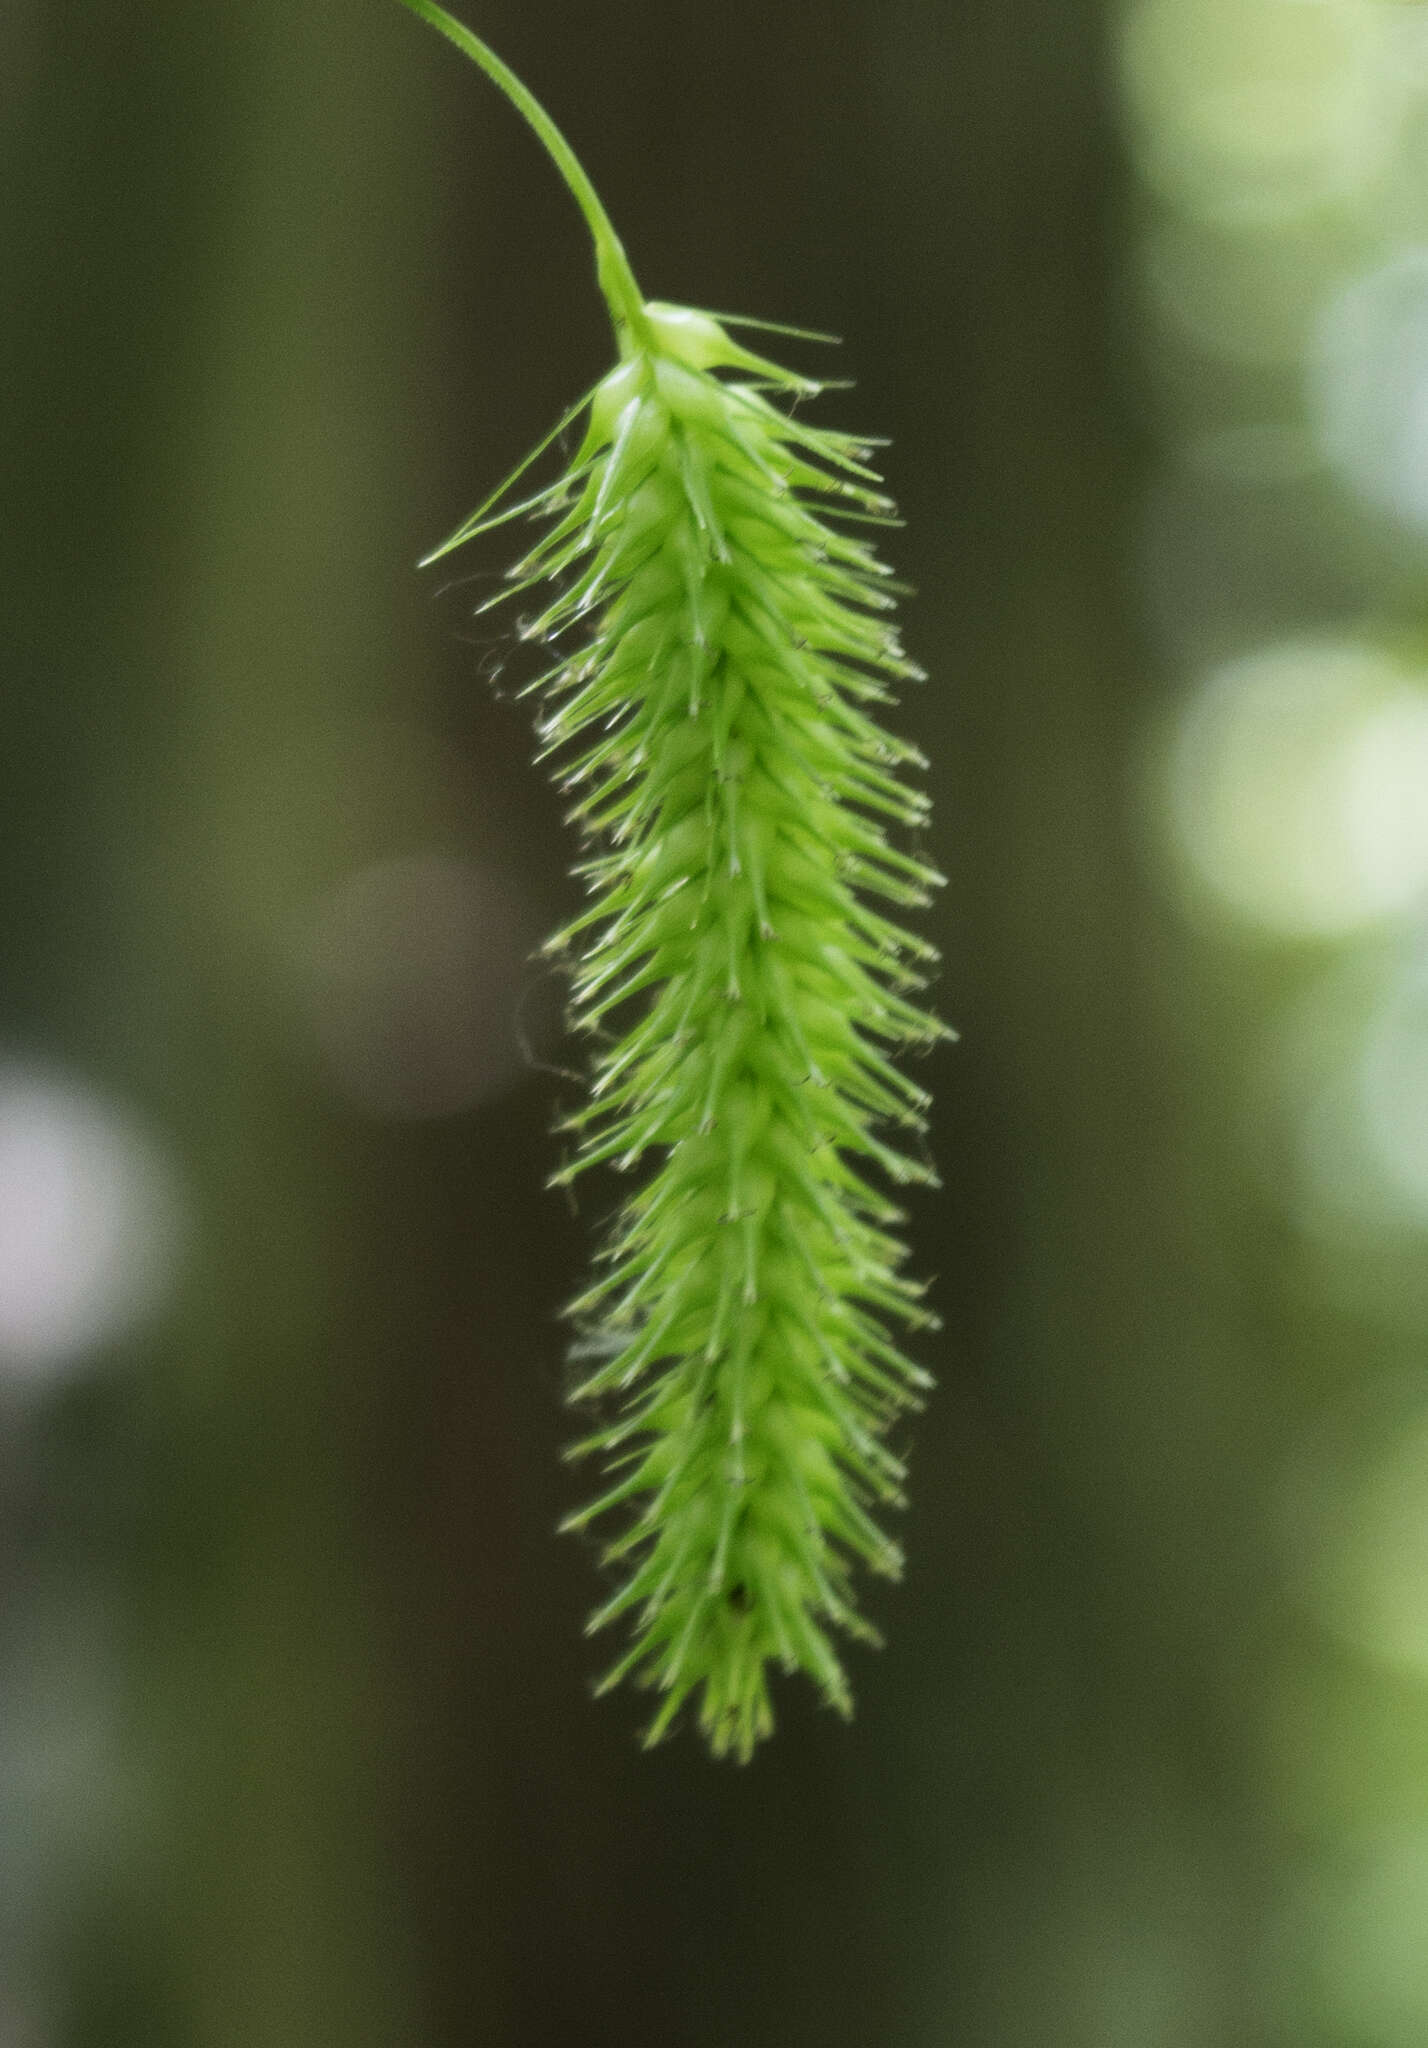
{"points": [[298, 1747]]}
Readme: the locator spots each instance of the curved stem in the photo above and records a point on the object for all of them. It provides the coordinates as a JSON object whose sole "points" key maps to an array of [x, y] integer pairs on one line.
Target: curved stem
{"points": [[617, 280]]}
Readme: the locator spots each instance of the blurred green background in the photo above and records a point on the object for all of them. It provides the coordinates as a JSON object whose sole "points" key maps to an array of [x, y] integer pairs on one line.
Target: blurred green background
{"points": [[296, 1746]]}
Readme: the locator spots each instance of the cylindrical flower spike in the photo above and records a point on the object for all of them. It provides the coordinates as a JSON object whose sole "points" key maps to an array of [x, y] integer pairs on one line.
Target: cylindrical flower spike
{"points": [[716, 731]]}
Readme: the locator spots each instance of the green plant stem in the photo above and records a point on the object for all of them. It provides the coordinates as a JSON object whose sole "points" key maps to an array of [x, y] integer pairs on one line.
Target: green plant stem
{"points": [[617, 280]]}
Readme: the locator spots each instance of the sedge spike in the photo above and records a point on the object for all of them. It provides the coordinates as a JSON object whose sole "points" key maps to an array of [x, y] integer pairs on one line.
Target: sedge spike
{"points": [[718, 733]]}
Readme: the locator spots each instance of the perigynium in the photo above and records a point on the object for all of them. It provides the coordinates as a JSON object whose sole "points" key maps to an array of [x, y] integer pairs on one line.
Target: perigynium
{"points": [[722, 643]]}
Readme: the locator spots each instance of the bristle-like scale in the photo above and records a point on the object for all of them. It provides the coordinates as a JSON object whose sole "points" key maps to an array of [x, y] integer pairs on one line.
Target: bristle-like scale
{"points": [[715, 738]]}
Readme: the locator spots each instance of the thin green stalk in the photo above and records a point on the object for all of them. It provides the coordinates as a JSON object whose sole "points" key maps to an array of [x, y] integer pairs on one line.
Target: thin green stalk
{"points": [[617, 280]]}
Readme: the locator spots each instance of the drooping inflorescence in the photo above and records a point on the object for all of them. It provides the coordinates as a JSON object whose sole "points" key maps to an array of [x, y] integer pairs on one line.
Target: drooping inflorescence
{"points": [[716, 722]]}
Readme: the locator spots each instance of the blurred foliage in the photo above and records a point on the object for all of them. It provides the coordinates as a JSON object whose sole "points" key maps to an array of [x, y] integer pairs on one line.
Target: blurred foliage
{"points": [[297, 1745]]}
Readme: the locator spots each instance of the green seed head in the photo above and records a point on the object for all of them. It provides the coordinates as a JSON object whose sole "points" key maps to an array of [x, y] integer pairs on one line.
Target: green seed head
{"points": [[715, 726]]}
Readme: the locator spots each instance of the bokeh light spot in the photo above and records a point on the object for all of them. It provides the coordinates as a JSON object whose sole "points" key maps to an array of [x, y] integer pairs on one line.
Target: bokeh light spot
{"points": [[88, 1223], [1257, 109], [1296, 787], [1369, 386], [1394, 1088]]}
